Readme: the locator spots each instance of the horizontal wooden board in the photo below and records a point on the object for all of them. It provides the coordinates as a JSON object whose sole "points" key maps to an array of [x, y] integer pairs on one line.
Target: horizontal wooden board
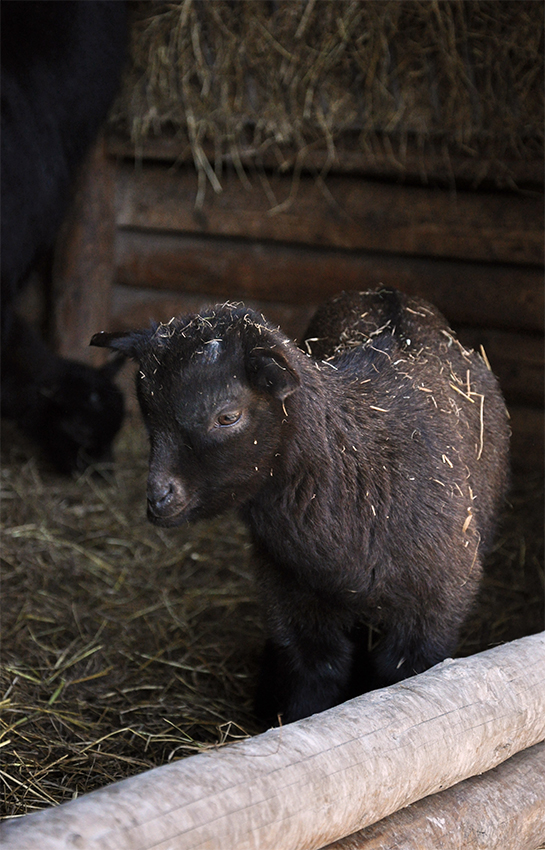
{"points": [[516, 358], [342, 212], [527, 439], [382, 159], [136, 308], [470, 293]]}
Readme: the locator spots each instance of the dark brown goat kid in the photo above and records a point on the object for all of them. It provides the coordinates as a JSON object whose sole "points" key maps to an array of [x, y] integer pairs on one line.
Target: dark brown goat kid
{"points": [[370, 465]]}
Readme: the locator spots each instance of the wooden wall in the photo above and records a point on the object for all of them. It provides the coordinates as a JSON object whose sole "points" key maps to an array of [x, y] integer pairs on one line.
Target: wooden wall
{"points": [[285, 243]]}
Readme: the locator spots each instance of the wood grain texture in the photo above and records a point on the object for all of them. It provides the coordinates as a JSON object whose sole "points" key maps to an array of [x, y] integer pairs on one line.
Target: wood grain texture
{"points": [[343, 212], [503, 809], [516, 359], [424, 166], [230, 269], [83, 270]]}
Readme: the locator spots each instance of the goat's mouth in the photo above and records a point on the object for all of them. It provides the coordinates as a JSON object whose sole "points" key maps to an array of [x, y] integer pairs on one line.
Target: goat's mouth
{"points": [[176, 514]]}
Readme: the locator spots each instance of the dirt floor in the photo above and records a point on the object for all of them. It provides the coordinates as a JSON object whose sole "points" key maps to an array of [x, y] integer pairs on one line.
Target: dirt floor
{"points": [[126, 646]]}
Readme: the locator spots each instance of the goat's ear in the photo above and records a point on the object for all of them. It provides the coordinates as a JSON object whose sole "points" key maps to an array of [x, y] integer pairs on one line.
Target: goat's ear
{"points": [[270, 370], [129, 343]]}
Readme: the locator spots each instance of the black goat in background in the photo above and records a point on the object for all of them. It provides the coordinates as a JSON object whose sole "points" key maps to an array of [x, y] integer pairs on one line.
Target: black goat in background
{"points": [[61, 65], [370, 466]]}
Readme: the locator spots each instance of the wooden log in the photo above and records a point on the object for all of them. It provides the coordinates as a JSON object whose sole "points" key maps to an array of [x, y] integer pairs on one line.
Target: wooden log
{"points": [[345, 212], [322, 778], [503, 809], [469, 293], [84, 269]]}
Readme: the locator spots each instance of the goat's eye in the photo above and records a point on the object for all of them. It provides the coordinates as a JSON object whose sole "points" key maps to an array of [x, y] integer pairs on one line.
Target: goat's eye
{"points": [[229, 417]]}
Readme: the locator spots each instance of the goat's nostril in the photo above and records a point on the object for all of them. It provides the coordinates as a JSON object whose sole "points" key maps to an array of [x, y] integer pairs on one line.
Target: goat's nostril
{"points": [[165, 496]]}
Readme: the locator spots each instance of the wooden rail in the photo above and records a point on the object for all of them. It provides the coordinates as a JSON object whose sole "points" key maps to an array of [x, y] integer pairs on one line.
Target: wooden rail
{"points": [[320, 779]]}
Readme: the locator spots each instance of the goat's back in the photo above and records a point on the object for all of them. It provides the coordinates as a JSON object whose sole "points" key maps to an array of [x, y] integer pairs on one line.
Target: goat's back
{"points": [[354, 319], [412, 367]]}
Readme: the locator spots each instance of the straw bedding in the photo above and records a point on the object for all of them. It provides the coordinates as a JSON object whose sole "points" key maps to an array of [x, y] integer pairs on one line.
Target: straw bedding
{"points": [[126, 646]]}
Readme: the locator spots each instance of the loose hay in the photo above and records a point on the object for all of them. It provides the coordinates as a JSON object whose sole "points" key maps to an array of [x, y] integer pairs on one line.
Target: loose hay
{"points": [[126, 646], [254, 78]]}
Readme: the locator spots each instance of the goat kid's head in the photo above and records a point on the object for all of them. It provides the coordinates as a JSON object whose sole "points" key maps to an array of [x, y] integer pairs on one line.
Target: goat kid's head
{"points": [[212, 390], [77, 413]]}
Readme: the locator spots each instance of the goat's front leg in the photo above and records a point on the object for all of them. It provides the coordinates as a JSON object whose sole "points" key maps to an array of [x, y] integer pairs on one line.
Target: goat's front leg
{"points": [[307, 661], [414, 644]]}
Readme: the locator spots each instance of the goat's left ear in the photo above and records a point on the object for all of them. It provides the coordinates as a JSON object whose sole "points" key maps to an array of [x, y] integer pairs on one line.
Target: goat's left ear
{"points": [[129, 343], [269, 370]]}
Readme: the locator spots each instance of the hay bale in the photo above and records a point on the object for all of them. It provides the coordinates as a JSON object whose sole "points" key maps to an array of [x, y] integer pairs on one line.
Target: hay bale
{"points": [[229, 79]]}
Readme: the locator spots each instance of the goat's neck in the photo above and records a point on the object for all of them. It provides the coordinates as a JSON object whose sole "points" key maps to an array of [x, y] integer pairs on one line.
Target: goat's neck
{"points": [[320, 419]]}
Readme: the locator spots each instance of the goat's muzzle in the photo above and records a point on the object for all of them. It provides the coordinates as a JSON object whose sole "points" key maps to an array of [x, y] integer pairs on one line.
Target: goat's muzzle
{"points": [[167, 499]]}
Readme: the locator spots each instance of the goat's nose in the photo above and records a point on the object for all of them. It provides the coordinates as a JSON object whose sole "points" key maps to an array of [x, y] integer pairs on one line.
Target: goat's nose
{"points": [[160, 494], [166, 496]]}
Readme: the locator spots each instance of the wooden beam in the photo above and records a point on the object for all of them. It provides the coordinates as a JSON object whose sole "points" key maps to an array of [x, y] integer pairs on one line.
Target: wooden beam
{"points": [[516, 359], [382, 161], [470, 293], [322, 778], [344, 212], [83, 270], [502, 809]]}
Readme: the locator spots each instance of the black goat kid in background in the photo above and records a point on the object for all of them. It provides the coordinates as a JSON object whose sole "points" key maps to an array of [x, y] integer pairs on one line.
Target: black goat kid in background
{"points": [[370, 465], [61, 64]]}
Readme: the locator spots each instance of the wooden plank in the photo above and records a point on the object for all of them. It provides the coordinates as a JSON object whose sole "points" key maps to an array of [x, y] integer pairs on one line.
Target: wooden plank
{"points": [[527, 439], [516, 358], [470, 293], [136, 308], [320, 779], [415, 165], [345, 212], [502, 809], [83, 268]]}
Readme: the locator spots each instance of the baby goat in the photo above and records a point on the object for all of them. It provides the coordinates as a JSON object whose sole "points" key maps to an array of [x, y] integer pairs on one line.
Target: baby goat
{"points": [[370, 466], [70, 410]]}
